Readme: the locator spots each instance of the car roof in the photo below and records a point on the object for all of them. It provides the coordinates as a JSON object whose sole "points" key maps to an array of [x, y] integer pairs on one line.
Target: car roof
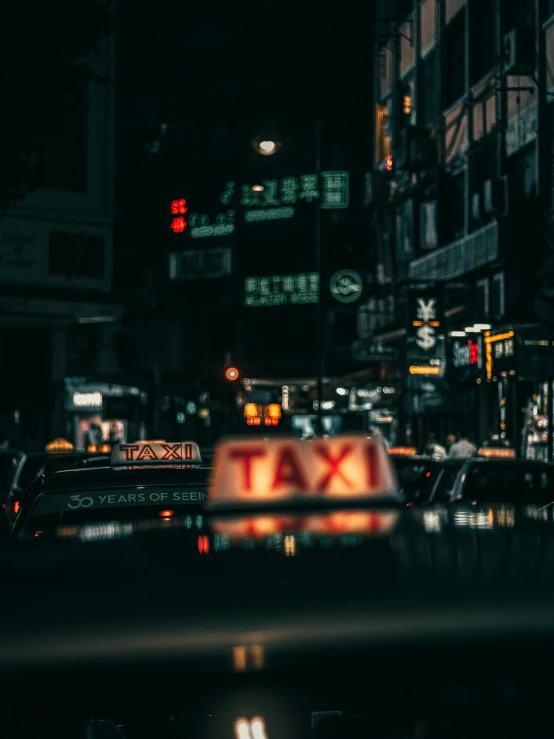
{"points": [[108, 477], [508, 461]]}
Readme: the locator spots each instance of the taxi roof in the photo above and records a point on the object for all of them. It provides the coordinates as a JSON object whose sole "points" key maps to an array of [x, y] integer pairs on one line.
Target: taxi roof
{"points": [[109, 477]]}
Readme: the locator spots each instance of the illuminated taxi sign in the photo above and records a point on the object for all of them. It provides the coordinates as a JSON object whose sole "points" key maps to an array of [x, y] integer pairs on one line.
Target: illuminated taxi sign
{"points": [[497, 453], [153, 452], [58, 446], [403, 451], [279, 470], [99, 448]]}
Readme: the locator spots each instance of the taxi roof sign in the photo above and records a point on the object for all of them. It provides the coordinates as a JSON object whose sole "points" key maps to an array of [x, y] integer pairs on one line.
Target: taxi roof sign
{"points": [[403, 451], [59, 445], [340, 468], [156, 452], [496, 452]]}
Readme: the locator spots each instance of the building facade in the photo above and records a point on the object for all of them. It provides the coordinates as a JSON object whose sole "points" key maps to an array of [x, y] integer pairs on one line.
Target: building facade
{"points": [[462, 198], [56, 311]]}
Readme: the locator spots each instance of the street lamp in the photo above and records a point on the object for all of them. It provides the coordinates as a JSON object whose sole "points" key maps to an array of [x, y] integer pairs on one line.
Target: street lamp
{"points": [[266, 145]]}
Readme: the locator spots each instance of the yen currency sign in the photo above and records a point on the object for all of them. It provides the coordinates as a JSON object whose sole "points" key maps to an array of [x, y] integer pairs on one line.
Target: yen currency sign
{"points": [[426, 337]]}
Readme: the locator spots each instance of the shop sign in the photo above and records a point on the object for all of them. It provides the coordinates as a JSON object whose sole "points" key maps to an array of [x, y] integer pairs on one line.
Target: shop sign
{"points": [[346, 286], [425, 320], [87, 400], [281, 290], [500, 352], [331, 189], [504, 348], [467, 353], [521, 129]]}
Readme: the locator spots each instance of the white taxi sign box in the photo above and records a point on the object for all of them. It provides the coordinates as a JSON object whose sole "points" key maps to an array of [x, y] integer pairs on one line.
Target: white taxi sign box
{"points": [[156, 452], [340, 468]]}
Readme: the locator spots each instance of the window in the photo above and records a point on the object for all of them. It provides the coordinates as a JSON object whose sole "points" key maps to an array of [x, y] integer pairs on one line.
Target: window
{"points": [[481, 39], [382, 139], [451, 208], [453, 68], [498, 295], [405, 232], [76, 255], [490, 483], [64, 150], [427, 89]]}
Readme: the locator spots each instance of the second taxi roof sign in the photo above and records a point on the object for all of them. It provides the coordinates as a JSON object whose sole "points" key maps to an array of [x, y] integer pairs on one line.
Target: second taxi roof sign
{"points": [[354, 467]]}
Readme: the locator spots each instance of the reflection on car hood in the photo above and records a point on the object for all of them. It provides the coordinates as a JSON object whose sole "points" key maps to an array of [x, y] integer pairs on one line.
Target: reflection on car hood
{"points": [[330, 576]]}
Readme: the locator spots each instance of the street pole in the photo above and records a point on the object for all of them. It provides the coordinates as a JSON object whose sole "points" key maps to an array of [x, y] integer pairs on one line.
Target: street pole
{"points": [[320, 312]]}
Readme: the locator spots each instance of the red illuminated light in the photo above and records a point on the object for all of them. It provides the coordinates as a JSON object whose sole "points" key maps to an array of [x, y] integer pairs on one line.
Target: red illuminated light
{"points": [[178, 225], [271, 421], [388, 161], [203, 544], [179, 207], [165, 514], [473, 352], [256, 421]]}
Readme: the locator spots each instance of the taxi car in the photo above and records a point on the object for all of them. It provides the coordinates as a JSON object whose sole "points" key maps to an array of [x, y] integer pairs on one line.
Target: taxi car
{"points": [[317, 605], [144, 480], [494, 479], [416, 473], [58, 454]]}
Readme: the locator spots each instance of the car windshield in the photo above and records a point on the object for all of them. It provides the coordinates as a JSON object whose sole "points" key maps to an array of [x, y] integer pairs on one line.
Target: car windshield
{"points": [[415, 478], [30, 469], [112, 504], [489, 483], [7, 465], [445, 481]]}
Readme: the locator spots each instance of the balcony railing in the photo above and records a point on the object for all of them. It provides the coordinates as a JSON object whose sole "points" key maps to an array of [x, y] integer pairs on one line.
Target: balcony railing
{"points": [[465, 255]]}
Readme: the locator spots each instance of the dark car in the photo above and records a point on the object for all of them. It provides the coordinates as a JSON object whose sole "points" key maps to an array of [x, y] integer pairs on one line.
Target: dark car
{"points": [[114, 493], [416, 477], [10, 460], [503, 481], [32, 465], [444, 479]]}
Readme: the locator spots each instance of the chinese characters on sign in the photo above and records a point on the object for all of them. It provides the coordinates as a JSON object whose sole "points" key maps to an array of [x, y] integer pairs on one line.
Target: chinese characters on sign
{"points": [[504, 348], [335, 190], [178, 209], [200, 227], [426, 323], [272, 214], [521, 129], [281, 290], [332, 189]]}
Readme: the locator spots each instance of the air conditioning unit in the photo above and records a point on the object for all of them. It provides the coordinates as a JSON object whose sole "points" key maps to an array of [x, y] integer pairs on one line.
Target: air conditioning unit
{"points": [[476, 206], [428, 236], [519, 51], [488, 197], [495, 197]]}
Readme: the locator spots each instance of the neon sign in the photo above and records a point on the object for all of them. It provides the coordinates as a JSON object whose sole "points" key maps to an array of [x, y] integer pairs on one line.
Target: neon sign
{"points": [[281, 290]]}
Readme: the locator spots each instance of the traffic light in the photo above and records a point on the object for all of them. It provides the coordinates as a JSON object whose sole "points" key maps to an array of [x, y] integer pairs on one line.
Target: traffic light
{"points": [[232, 373]]}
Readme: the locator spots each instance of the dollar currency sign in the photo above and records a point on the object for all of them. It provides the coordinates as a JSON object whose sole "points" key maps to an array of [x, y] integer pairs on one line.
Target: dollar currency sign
{"points": [[426, 337]]}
